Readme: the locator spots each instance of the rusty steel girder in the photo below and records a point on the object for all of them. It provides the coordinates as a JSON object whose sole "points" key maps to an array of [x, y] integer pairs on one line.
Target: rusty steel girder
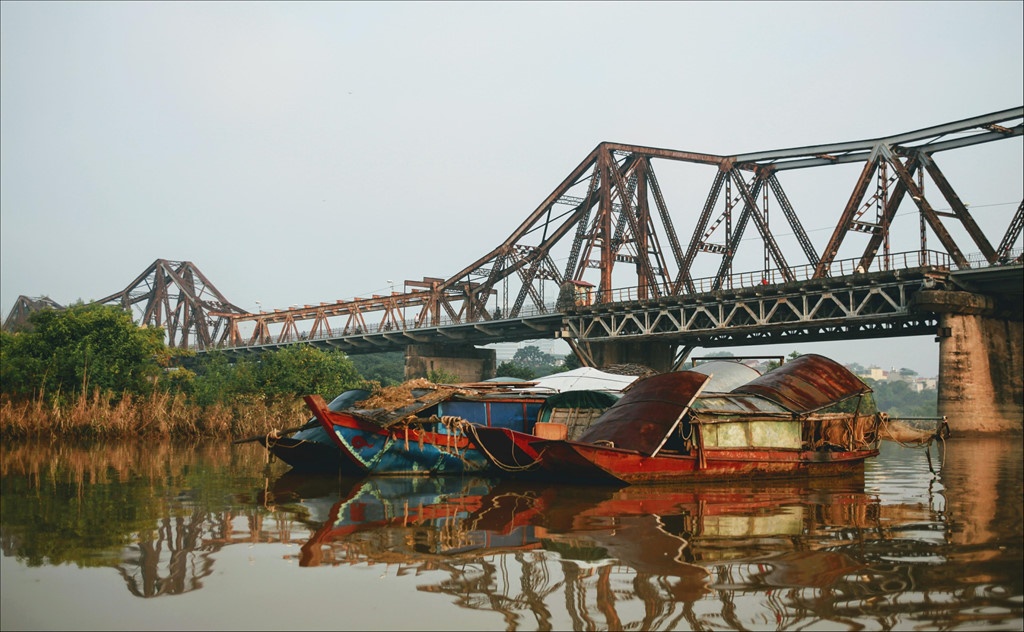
{"points": [[24, 307], [175, 295], [612, 219], [609, 225]]}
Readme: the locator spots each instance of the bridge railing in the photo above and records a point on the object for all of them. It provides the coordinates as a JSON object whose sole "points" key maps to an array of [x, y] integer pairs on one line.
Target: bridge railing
{"points": [[839, 268], [749, 279]]}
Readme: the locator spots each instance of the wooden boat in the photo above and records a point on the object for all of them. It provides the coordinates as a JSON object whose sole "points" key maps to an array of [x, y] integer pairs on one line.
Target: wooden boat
{"points": [[564, 415], [784, 424], [310, 448], [429, 431], [570, 414]]}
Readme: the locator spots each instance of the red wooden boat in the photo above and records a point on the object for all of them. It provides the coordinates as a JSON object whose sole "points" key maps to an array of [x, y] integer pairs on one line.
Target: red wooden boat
{"points": [[563, 416], [422, 431], [570, 414], [784, 424]]}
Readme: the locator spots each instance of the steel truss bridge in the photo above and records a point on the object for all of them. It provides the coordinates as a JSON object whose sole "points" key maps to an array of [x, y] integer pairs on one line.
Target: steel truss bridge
{"points": [[600, 258]]}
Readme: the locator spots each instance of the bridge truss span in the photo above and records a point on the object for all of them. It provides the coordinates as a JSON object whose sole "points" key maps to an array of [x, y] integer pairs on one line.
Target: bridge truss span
{"points": [[873, 305], [611, 223], [632, 223]]}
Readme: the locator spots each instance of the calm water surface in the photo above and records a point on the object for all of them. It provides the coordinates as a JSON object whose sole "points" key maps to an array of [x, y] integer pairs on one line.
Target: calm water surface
{"points": [[135, 537]]}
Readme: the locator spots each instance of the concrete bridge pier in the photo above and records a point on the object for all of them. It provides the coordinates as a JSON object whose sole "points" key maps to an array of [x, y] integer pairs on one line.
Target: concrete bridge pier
{"points": [[466, 362], [981, 362], [659, 356]]}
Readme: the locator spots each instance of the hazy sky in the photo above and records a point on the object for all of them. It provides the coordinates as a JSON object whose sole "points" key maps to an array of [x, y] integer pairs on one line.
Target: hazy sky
{"points": [[306, 152]]}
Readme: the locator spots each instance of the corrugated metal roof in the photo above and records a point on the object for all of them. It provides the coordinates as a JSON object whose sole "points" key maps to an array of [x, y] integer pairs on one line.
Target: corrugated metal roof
{"points": [[647, 412], [806, 384], [734, 403]]}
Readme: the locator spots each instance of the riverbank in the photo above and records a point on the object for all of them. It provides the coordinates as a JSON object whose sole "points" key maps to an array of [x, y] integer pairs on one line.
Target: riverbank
{"points": [[160, 415]]}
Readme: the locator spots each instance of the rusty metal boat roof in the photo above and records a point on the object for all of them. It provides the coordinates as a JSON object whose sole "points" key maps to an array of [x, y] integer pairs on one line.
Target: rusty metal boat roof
{"points": [[647, 411], [806, 384], [736, 404]]}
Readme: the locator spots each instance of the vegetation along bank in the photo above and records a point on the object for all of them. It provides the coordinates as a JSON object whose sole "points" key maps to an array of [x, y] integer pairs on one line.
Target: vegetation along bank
{"points": [[88, 372]]}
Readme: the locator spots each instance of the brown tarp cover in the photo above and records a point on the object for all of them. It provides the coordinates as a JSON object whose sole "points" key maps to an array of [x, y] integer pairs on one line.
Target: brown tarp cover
{"points": [[806, 384], [647, 411]]}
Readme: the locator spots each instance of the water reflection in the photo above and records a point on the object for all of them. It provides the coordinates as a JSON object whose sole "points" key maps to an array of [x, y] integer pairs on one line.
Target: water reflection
{"points": [[898, 546], [513, 547]]}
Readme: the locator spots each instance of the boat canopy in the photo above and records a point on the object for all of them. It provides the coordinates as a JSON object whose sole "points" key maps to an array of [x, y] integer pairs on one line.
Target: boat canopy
{"points": [[725, 374], [582, 379], [578, 399], [806, 384], [646, 414], [731, 404]]}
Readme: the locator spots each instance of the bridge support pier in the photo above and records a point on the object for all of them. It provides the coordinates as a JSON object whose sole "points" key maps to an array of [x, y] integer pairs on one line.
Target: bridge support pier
{"points": [[981, 362], [659, 356], [466, 362]]}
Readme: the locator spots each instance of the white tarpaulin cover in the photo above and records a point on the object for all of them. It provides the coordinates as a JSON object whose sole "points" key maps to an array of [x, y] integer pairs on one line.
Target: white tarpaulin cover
{"points": [[582, 379], [725, 375]]}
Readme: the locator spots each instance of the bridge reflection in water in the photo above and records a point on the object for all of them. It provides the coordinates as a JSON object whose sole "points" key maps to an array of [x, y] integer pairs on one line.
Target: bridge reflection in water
{"points": [[898, 546], [668, 557]]}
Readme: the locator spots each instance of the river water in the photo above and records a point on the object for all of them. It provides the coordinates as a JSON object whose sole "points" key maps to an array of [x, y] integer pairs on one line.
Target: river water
{"points": [[144, 537]]}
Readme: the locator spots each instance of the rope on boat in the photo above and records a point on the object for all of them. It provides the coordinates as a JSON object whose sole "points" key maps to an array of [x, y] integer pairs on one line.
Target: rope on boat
{"points": [[272, 440], [456, 428], [494, 459], [942, 432]]}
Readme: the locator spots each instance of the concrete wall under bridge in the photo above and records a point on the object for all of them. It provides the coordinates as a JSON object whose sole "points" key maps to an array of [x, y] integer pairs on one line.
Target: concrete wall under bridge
{"points": [[981, 362], [659, 356], [466, 362]]}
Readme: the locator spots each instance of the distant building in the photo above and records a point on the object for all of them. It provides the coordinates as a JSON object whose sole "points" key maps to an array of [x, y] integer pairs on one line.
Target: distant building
{"points": [[877, 373]]}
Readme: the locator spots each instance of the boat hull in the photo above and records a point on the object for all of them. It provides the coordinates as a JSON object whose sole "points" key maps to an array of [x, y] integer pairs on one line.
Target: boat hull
{"points": [[310, 456], [509, 451], [576, 461], [399, 450]]}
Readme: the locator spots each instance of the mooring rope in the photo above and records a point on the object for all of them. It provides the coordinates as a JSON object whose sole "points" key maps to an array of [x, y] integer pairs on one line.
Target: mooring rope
{"points": [[494, 459]]}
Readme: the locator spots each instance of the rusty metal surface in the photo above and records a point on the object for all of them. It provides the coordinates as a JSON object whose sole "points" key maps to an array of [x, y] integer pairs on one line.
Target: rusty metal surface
{"points": [[647, 411], [610, 213], [735, 404], [806, 384]]}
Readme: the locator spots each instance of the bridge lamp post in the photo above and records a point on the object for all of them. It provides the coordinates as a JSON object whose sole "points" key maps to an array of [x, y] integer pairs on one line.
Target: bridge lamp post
{"points": [[392, 284]]}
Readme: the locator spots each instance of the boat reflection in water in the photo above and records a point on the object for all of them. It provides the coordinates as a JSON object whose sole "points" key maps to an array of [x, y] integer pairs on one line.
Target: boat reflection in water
{"points": [[637, 555], [405, 520]]}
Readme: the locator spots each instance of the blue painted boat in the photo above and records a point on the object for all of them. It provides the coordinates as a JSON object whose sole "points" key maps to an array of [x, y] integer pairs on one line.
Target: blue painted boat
{"points": [[310, 448], [432, 434], [422, 519]]}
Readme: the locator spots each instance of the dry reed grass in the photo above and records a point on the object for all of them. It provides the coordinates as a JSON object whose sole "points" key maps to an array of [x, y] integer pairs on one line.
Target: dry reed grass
{"points": [[103, 416], [101, 462]]}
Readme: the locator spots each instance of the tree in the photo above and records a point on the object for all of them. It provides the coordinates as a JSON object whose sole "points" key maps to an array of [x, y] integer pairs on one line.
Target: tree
{"points": [[302, 369], [216, 379], [286, 373], [897, 398], [386, 369], [571, 362], [81, 349], [540, 363], [512, 369], [531, 356]]}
